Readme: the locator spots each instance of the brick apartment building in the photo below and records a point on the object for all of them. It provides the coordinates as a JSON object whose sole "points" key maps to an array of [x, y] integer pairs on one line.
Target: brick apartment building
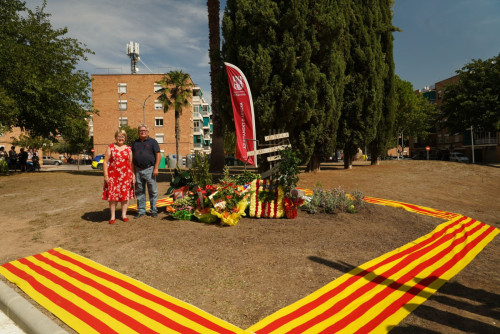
{"points": [[486, 144], [132, 99]]}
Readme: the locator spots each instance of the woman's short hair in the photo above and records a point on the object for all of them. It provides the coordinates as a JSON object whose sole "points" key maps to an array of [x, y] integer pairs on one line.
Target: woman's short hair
{"points": [[120, 132]]}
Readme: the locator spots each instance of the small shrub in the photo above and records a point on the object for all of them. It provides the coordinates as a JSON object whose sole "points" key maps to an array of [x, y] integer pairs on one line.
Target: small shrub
{"points": [[200, 172], [336, 200]]}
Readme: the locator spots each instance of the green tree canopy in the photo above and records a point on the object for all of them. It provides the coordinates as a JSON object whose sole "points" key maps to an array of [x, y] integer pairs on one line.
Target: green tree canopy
{"points": [[40, 89], [291, 53], [474, 100], [414, 113], [366, 70]]}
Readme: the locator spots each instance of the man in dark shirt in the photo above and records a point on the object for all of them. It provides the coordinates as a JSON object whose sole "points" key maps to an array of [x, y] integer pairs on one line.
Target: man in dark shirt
{"points": [[145, 162]]}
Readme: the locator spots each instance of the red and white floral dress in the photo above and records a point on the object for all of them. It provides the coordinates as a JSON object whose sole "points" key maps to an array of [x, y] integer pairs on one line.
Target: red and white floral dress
{"points": [[119, 187]]}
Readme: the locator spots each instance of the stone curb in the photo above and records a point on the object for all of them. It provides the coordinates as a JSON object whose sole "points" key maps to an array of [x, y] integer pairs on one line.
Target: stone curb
{"points": [[25, 315]]}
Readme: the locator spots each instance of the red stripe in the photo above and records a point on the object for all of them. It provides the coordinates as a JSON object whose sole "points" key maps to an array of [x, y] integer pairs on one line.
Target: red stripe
{"points": [[134, 289], [330, 294], [120, 316], [67, 305], [410, 294], [150, 313], [361, 309], [432, 212]]}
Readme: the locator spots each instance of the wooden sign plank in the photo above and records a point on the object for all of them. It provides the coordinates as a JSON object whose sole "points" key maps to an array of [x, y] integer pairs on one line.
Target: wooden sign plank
{"points": [[268, 150], [274, 158], [276, 136]]}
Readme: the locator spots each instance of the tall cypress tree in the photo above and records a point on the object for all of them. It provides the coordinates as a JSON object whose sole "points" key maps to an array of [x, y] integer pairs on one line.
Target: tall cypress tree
{"points": [[289, 52], [362, 105], [386, 123]]}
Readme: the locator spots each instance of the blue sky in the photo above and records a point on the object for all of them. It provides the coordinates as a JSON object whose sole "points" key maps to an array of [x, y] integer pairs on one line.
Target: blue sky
{"points": [[438, 36]]}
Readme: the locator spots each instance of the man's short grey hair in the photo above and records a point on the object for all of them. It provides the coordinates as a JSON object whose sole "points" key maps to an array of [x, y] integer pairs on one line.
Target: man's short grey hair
{"points": [[142, 126]]}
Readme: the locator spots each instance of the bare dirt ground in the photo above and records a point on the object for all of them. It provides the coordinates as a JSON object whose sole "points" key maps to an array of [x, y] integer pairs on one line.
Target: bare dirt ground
{"points": [[246, 272]]}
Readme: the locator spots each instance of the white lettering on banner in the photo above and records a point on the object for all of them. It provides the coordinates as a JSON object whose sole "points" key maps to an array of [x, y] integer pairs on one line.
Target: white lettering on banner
{"points": [[237, 82], [243, 128]]}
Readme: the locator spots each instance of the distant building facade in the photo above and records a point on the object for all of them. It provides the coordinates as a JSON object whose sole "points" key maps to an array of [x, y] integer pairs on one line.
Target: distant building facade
{"points": [[132, 99], [442, 142]]}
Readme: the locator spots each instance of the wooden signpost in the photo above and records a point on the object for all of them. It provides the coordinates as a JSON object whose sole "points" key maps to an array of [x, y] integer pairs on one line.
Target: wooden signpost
{"points": [[278, 142]]}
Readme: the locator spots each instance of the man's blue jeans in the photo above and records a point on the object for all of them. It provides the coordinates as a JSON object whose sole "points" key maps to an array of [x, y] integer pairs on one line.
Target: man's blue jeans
{"points": [[143, 177]]}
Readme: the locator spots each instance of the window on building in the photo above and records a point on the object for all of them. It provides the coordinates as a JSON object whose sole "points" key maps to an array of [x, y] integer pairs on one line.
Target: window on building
{"points": [[157, 87], [158, 121], [122, 121], [446, 138], [160, 138], [158, 105], [457, 138], [122, 104], [122, 88]]}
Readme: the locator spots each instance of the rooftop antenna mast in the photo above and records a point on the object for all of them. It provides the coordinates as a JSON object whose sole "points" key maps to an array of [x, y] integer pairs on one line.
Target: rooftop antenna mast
{"points": [[133, 53]]}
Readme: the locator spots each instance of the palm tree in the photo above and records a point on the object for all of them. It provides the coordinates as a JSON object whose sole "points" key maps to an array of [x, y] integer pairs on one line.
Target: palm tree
{"points": [[217, 155], [176, 90]]}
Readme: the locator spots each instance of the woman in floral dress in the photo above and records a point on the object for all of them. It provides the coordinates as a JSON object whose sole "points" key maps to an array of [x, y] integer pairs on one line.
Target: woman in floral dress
{"points": [[118, 176]]}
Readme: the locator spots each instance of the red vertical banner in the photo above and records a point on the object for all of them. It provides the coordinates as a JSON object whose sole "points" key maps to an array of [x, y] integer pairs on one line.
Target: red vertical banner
{"points": [[244, 120]]}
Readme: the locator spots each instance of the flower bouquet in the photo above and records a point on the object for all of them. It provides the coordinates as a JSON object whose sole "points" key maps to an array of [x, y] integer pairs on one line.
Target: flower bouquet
{"points": [[229, 203], [291, 205], [203, 205], [182, 208], [266, 200]]}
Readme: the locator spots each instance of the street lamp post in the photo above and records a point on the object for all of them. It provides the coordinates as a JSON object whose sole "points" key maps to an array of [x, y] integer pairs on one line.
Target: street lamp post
{"points": [[143, 107], [143, 112]]}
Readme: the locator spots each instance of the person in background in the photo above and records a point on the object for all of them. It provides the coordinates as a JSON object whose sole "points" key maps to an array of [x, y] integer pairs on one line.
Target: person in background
{"points": [[13, 158], [3, 153], [4, 165], [36, 160], [118, 175], [23, 158], [146, 159]]}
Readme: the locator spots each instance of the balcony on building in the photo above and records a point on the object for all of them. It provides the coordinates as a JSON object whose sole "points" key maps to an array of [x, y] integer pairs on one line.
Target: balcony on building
{"points": [[207, 112], [480, 138], [196, 113], [197, 95], [197, 131]]}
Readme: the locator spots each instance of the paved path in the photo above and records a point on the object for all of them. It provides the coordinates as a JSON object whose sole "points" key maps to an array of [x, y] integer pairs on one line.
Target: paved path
{"points": [[7, 326]]}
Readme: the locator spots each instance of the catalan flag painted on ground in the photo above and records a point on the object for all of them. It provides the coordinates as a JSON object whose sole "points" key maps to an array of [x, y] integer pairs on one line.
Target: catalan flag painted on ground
{"points": [[91, 298], [373, 297], [159, 203], [377, 295]]}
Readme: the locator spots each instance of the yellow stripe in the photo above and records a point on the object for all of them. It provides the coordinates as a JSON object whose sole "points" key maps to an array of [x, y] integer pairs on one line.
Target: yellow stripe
{"points": [[153, 305]]}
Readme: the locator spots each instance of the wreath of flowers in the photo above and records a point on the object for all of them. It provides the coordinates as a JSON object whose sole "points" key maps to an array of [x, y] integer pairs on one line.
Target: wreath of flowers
{"points": [[269, 205]]}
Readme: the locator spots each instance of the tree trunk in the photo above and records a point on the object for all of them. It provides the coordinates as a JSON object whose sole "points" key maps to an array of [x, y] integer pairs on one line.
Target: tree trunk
{"points": [[375, 153], [177, 137], [217, 159], [314, 164], [349, 153]]}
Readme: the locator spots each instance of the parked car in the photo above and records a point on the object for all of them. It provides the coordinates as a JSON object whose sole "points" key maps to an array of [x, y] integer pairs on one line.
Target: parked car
{"points": [[458, 157], [51, 161], [98, 161]]}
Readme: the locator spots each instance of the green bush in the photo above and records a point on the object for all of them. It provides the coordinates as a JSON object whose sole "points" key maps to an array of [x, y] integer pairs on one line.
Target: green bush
{"points": [[335, 200]]}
